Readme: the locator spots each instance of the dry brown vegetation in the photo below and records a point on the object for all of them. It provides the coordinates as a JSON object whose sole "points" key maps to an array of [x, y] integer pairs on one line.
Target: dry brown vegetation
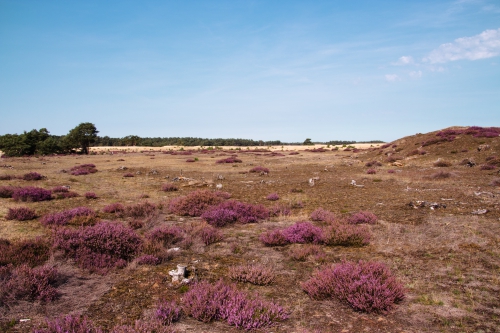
{"points": [[447, 258]]}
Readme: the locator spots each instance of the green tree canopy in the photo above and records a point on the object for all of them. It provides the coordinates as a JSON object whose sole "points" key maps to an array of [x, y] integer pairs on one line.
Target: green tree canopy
{"points": [[82, 136], [307, 142]]}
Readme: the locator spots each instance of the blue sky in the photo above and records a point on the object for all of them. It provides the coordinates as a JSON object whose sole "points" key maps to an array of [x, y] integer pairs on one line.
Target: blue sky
{"points": [[270, 70]]}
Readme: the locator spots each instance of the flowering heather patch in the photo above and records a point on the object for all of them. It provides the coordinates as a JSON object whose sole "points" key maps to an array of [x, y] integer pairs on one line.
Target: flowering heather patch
{"points": [[148, 259], [257, 274], [487, 167], [341, 234], [128, 174], [60, 189], [142, 209], [166, 235], [365, 286], [273, 238], [195, 203], [66, 195], [259, 169], [387, 145], [362, 217], [371, 171], [207, 302], [294, 153], [273, 197], [373, 163], [83, 169], [113, 208], [210, 235], [69, 324], [32, 176], [279, 210], [229, 160], [26, 283], [65, 217], [190, 160], [31, 252], [6, 177], [6, 191], [483, 132], [322, 215], [303, 232], [20, 214], [391, 171], [168, 312], [302, 252], [31, 194], [99, 247], [234, 211], [434, 141], [90, 195], [169, 187]]}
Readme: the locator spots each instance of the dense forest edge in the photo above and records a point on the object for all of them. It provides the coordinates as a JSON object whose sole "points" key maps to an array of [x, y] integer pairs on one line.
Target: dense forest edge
{"points": [[84, 136]]}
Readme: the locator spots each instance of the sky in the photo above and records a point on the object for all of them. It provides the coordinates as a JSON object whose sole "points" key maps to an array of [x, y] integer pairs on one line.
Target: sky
{"points": [[262, 70]]}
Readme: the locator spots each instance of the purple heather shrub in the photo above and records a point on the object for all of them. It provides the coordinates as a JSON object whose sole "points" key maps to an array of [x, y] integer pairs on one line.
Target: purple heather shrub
{"points": [[495, 182], [373, 163], [114, 208], [168, 312], [195, 203], [229, 160], [90, 195], [136, 224], [365, 286], [66, 195], [6, 177], [207, 302], [273, 238], [302, 252], [303, 232], [60, 189], [322, 215], [32, 176], [20, 214], [83, 169], [166, 235], [362, 217], [190, 160], [294, 153], [128, 174], [258, 274], [391, 171], [442, 164], [387, 145], [69, 324], [371, 171], [210, 235], [65, 217], [234, 211], [341, 234], [142, 209], [259, 169], [169, 187], [148, 259], [31, 194], [279, 210], [31, 252], [487, 167], [273, 197]]}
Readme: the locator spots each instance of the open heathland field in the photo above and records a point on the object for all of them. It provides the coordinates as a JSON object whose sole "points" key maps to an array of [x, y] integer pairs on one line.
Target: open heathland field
{"points": [[401, 237]]}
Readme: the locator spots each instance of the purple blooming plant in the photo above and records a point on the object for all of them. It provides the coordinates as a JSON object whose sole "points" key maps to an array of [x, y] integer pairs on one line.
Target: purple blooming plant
{"points": [[166, 235], [257, 274], [32, 176], [168, 312], [322, 215], [20, 214], [273, 238], [342, 234], [195, 203], [210, 235], [303, 232], [363, 217], [64, 217], [114, 208], [273, 197], [31, 194], [148, 259], [235, 211], [69, 324], [259, 169]]}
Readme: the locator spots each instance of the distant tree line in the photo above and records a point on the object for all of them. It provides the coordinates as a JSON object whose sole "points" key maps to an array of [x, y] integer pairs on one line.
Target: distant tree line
{"points": [[84, 136]]}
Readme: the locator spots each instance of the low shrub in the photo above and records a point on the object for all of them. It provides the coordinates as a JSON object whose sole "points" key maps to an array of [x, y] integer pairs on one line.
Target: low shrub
{"points": [[391, 171], [279, 210], [273, 197], [195, 203], [495, 182], [83, 169], [169, 187], [60, 189], [442, 164], [190, 160], [90, 195], [6, 191], [302, 252], [273, 238], [373, 163], [234, 211], [6, 177], [365, 286], [142, 209], [341, 234], [66, 195], [32, 176], [31, 252], [128, 174], [168, 312], [322, 215], [229, 160], [69, 324], [210, 235], [166, 235], [113, 208], [259, 169], [20, 214], [66, 216], [257, 274], [371, 171], [31, 194], [363, 217], [207, 302], [148, 259], [440, 175], [487, 167], [303, 232]]}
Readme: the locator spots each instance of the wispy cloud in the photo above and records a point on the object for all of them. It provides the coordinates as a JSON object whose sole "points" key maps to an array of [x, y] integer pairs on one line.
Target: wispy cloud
{"points": [[392, 77], [404, 60], [481, 46], [415, 74]]}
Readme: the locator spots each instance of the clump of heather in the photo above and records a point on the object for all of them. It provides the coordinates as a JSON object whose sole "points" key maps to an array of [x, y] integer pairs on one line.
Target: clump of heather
{"points": [[148, 259], [6, 177], [32, 176], [234, 211], [229, 160], [273, 238], [31, 252], [365, 286], [31, 194], [168, 312], [113, 208], [391, 171], [257, 274], [207, 302], [66, 195], [273, 197], [303, 232], [210, 235], [66, 216], [371, 171], [279, 210], [20, 214], [196, 202], [442, 164], [142, 209], [90, 195], [83, 169], [166, 235], [487, 167], [169, 187], [100, 247], [341, 234], [322, 215], [6, 191], [259, 169], [69, 324], [60, 189], [128, 174], [302, 252], [373, 163], [363, 217]]}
